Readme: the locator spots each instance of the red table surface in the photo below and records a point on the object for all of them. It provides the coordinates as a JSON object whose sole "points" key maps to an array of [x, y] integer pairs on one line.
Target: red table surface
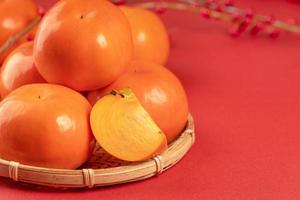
{"points": [[244, 94]]}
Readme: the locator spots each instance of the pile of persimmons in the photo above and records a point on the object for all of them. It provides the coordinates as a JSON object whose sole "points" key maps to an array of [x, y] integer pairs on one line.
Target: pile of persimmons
{"points": [[94, 72]]}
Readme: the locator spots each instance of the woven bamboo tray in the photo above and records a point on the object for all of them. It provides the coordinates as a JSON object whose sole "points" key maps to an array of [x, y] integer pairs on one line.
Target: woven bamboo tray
{"points": [[102, 169]]}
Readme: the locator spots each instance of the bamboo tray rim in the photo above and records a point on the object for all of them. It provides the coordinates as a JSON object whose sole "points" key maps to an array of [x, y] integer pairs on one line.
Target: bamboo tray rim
{"points": [[80, 178]]}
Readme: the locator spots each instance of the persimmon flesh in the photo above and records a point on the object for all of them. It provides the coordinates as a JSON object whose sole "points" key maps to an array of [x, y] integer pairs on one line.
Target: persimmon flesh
{"points": [[124, 129], [45, 125]]}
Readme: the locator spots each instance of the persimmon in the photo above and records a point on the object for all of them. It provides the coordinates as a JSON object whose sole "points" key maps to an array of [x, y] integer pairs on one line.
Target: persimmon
{"points": [[18, 69], [124, 129], [159, 91], [84, 45], [45, 125], [150, 37], [14, 16]]}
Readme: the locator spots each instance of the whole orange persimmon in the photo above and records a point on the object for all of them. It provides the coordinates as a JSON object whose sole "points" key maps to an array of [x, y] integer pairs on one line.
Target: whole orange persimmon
{"points": [[14, 16], [45, 125], [150, 37], [18, 69], [158, 90], [84, 45]]}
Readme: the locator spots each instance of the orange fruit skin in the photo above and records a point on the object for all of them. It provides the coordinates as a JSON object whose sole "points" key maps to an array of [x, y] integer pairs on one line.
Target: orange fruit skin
{"points": [[158, 90], [18, 69], [84, 45], [14, 16], [150, 37], [45, 125]]}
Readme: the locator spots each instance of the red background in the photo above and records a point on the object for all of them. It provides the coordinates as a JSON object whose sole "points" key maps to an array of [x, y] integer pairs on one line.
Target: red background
{"points": [[244, 94]]}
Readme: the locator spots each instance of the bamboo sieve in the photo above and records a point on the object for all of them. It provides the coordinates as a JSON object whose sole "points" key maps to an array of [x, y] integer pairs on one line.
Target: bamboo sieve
{"points": [[102, 169]]}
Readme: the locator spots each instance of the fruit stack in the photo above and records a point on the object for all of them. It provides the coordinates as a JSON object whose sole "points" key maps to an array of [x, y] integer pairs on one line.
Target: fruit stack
{"points": [[93, 73]]}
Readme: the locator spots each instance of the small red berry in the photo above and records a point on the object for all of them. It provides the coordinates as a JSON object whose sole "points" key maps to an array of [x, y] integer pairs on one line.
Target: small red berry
{"points": [[119, 2], [256, 29], [236, 17], [275, 33], [244, 24], [205, 12], [249, 13], [228, 3], [159, 9], [41, 11], [219, 8], [269, 20], [29, 37]]}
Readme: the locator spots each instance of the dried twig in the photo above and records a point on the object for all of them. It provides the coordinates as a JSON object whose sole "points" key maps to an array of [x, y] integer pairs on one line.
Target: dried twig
{"points": [[16, 37]]}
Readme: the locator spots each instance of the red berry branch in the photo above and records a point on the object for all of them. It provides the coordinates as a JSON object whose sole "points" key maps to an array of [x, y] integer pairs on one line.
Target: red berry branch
{"points": [[241, 20]]}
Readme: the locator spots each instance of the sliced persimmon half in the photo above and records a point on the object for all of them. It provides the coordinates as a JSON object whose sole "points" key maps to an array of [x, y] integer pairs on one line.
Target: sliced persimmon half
{"points": [[124, 128]]}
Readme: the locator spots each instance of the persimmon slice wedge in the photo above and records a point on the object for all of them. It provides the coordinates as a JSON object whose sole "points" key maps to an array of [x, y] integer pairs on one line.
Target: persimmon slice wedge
{"points": [[124, 128]]}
